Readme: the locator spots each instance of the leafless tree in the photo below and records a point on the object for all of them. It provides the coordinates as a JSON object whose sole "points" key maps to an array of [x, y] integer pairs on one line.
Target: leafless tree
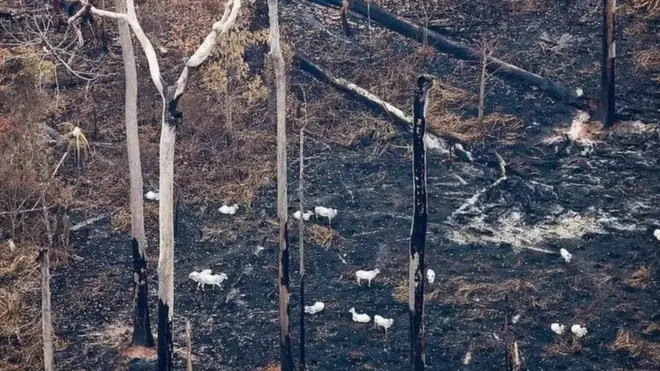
{"points": [[606, 111], [418, 230], [286, 356], [171, 119], [486, 49], [142, 335], [301, 241], [46, 319]]}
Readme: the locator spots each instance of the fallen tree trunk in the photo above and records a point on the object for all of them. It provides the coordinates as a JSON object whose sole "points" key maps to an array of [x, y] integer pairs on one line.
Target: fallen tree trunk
{"points": [[432, 140], [457, 49]]}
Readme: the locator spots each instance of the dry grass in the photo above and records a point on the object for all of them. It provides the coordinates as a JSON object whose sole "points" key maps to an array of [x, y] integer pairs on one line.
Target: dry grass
{"points": [[648, 59], [625, 342], [321, 235], [647, 8], [505, 129], [528, 6], [20, 325], [563, 347], [641, 278]]}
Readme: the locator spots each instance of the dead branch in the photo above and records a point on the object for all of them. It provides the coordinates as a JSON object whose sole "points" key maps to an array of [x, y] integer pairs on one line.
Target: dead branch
{"points": [[432, 140], [473, 200], [455, 48]]}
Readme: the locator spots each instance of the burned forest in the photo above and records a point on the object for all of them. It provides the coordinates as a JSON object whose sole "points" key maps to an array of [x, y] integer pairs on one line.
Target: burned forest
{"points": [[329, 185]]}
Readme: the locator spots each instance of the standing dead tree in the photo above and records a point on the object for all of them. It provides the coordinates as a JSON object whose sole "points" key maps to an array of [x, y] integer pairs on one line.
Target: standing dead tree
{"points": [[286, 356], [606, 107], [343, 12], [142, 335], [486, 48], [301, 251], [46, 318], [171, 118], [418, 230]]}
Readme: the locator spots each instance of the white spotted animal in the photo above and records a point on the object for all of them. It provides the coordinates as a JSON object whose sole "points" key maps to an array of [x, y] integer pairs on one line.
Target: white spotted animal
{"points": [[313, 309], [430, 275], [359, 317], [212, 279], [306, 215], [578, 331], [385, 323], [153, 196], [228, 210], [567, 256], [557, 328], [366, 275], [325, 212]]}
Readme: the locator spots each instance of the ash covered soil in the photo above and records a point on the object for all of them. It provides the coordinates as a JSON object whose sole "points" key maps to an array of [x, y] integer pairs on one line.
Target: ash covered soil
{"points": [[598, 200]]}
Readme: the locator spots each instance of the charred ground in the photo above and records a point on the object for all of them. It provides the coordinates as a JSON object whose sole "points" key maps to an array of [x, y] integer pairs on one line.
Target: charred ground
{"points": [[601, 206]]}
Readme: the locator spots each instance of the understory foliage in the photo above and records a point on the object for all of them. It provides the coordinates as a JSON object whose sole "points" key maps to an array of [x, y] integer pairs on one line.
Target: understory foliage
{"points": [[25, 164]]}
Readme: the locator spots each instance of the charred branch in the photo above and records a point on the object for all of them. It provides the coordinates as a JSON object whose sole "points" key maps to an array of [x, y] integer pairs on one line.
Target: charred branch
{"points": [[457, 49], [405, 122]]}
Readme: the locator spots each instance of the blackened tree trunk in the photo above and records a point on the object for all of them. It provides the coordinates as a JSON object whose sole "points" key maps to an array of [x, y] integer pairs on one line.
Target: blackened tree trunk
{"points": [[418, 230], [345, 7], [301, 252], [142, 335], [606, 107], [286, 356]]}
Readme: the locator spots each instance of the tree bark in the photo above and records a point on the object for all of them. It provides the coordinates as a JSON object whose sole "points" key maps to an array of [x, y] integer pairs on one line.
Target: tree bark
{"points": [[141, 324], [171, 118], [446, 45], [418, 230], [301, 241], [286, 357], [606, 111], [46, 318]]}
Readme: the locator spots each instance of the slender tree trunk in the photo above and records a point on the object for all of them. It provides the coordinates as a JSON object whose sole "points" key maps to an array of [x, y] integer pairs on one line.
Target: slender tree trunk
{"points": [[47, 324], [606, 108], [301, 234], [166, 256], [286, 356], [46, 319], [345, 7], [189, 366], [141, 325], [418, 230], [171, 118], [482, 82]]}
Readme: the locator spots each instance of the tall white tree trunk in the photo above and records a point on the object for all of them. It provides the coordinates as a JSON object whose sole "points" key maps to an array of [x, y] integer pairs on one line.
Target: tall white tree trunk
{"points": [[141, 324], [286, 357], [170, 119]]}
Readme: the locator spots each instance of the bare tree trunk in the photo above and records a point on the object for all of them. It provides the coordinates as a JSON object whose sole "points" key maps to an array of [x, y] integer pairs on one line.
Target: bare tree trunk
{"points": [[286, 356], [189, 366], [142, 335], [166, 256], [418, 230], [47, 324], [301, 234], [171, 118], [482, 82], [46, 319], [606, 108], [345, 6]]}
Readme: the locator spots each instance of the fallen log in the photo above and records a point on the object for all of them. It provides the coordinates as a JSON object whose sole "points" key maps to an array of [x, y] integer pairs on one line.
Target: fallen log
{"points": [[457, 49], [433, 140]]}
